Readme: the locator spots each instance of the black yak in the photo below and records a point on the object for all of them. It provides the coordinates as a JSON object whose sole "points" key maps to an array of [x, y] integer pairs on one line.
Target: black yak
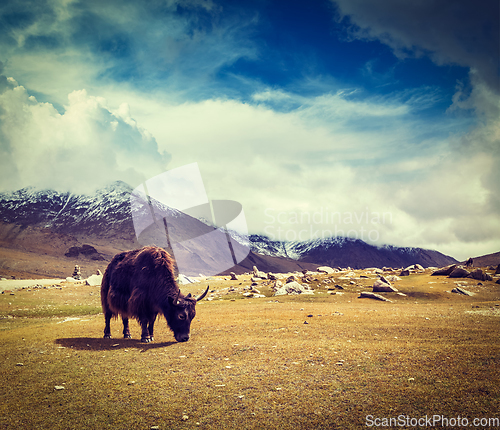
{"points": [[140, 284]]}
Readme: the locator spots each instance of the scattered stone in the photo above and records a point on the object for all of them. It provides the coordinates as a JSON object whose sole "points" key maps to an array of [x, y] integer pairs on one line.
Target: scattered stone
{"points": [[291, 279], [460, 290], [393, 278], [183, 280], [369, 295], [185, 418], [271, 276], [59, 387], [497, 271], [325, 269], [19, 364], [405, 272], [233, 276]]}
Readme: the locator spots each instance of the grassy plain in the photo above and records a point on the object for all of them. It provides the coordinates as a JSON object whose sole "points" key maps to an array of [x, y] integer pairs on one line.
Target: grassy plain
{"points": [[254, 363]]}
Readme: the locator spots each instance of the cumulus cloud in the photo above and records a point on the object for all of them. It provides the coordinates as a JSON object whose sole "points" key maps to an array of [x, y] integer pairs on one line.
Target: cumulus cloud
{"points": [[302, 175], [86, 147]]}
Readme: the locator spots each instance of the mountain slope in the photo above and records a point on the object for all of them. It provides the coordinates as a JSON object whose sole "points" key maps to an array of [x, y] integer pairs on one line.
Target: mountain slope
{"points": [[49, 223], [346, 252]]}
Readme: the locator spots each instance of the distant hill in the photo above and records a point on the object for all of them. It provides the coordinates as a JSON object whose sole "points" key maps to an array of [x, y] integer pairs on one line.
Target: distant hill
{"points": [[45, 224], [486, 260], [347, 252]]}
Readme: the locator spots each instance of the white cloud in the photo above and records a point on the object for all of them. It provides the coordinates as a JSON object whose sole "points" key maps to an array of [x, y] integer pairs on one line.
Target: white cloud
{"points": [[302, 164], [86, 147]]}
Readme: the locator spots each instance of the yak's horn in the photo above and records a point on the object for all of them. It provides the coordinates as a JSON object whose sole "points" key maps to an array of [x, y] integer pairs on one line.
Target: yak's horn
{"points": [[203, 295], [176, 301]]}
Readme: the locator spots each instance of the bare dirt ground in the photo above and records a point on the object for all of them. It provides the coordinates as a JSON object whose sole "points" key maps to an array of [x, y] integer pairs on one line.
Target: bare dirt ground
{"points": [[322, 361]]}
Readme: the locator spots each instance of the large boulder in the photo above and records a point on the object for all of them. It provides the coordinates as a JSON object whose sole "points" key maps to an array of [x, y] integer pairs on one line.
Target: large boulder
{"points": [[459, 272], [444, 271], [292, 288], [383, 286], [479, 275], [94, 280], [258, 274], [325, 269]]}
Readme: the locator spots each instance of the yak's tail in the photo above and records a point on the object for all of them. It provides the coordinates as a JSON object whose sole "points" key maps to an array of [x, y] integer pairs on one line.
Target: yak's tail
{"points": [[104, 292]]}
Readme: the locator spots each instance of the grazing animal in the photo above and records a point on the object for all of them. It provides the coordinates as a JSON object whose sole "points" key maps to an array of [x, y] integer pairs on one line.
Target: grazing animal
{"points": [[140, 284], [470, 262]]}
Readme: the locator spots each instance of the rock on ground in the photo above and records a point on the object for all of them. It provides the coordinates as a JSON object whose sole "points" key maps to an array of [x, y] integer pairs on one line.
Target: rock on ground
{"points": [[292, 288], [379, 286], [460, 290], [444, 271], [368, 295], [94, 280], [459, 272]]}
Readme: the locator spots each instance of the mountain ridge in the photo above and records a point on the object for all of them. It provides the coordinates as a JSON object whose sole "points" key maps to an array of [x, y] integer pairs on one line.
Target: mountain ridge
{"points": [[104, 220]]}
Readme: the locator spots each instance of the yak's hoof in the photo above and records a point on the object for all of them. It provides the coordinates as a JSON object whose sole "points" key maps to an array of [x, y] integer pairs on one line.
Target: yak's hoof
{"points": [[107, 336], [146, 339], [127, 336]]}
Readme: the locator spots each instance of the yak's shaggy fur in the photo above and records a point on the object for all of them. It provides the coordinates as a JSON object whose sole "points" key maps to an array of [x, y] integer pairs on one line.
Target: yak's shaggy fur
{"points": [[140, 284]]}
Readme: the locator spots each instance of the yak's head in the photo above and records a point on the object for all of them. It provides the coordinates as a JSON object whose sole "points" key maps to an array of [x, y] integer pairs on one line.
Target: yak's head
{"points": [[180, 312]]}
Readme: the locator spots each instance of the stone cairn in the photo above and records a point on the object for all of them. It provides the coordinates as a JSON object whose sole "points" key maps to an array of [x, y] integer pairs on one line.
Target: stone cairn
{"points": [[76, 273]]}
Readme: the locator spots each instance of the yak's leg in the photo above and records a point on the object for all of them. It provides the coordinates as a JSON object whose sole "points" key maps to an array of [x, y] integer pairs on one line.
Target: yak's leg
{"points": [[151, 327], [143, 321], [126, 329], [107, 328]]}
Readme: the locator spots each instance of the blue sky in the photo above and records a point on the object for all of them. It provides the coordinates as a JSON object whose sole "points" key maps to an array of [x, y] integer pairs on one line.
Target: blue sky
{"points": [[346, 110]]}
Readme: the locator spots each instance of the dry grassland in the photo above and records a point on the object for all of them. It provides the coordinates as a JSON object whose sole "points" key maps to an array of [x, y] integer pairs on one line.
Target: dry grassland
{"points": [[253, 363]]}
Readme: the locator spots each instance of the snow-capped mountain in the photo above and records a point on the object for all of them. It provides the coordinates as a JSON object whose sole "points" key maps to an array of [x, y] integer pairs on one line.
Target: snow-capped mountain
{"points": [[104, 213], [105, 220], [347, 252]]}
